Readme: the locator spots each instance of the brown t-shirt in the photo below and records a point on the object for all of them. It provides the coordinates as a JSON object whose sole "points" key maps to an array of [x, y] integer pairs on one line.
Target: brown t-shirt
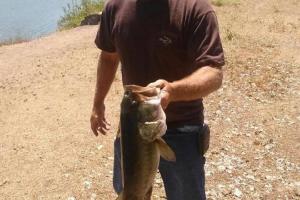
{"points": [[162, 39]]}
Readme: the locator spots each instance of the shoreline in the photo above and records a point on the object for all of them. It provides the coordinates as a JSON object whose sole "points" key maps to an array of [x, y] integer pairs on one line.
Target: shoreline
{"points": [[20, 39], [13, 41]]}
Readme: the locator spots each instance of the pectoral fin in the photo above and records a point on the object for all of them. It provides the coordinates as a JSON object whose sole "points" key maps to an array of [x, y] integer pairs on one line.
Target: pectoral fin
{"points": [[165, 151]]}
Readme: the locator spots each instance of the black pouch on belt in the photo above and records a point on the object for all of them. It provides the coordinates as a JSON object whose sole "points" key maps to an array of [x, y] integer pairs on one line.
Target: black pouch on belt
{"points": [[204, 138]]}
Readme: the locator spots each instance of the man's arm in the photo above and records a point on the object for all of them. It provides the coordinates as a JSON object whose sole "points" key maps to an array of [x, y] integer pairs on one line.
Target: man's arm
{"points": [[204, 48], [195, 86], [107, 67]]}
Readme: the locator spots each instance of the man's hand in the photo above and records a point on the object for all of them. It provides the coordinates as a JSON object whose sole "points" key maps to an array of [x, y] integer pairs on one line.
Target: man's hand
{"points": [[166, 91], [107, 67], [197, 85], [98, 121]]}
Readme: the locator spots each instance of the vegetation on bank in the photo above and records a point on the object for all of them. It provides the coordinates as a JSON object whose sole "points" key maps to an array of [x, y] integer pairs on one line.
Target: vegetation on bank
{"points": [[224, 2], [75, 12]]}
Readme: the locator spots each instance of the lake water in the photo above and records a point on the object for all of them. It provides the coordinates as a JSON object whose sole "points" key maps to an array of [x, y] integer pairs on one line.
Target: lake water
{"points": [[29, 18]]}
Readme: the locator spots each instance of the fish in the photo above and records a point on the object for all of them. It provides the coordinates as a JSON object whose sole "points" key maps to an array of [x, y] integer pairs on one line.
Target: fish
{"points": [[142, 125]]}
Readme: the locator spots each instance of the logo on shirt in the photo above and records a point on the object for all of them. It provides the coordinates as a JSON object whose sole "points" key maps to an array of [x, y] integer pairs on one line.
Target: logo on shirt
{"points": [[165, 40]]}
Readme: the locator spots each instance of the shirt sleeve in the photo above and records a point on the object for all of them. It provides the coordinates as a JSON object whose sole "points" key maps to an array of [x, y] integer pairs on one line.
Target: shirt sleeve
{"points": [[204, 43], [104, 39]]}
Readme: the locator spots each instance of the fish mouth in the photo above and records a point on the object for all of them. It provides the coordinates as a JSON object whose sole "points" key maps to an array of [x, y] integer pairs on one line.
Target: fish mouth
{"points": [[142, 94], [150, 115]]}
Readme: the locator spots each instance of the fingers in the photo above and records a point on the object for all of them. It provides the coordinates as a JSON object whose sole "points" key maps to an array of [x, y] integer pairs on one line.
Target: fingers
{"points": [[158, 84], [99, 126], [103, 127], [94, 129], [165, 99], [106, 122], [165, 91]]}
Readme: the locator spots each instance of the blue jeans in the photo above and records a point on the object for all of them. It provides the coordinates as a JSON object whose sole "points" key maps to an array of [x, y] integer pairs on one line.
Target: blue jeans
{"points": [[183, 179]]}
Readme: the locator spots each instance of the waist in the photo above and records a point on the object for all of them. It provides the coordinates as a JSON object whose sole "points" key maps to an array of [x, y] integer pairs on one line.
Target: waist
{"points": [[185, 113]]}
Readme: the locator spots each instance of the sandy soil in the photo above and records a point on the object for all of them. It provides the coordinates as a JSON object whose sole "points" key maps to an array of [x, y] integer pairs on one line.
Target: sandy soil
{"points": [[47, 150]]}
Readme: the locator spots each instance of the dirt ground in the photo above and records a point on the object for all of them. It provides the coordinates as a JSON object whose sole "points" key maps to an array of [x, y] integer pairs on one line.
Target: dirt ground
{"points": [[47, 150]]}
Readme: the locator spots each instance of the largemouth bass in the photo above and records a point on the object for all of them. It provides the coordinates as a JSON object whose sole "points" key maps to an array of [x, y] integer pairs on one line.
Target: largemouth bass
{"points": [[142, 125]]}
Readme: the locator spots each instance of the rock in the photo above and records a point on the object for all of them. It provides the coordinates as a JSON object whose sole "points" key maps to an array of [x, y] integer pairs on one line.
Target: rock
{"points": [[297, 192], [237, 193], [221, 168], [158, 181], [99, 147], [66, 175], [93, 196], [251, 188], [218, 112], [226, 192], [268, 188], [208, 173], [228, 119], [93, 19], [212, 193], [296, 186], [3, 183], [71, 198], [110, 158], [250, 177], [269, 146], [87, 184], [270, 178], [256, 142]]}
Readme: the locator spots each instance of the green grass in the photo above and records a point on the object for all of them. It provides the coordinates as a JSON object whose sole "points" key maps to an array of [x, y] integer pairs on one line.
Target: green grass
{"points": [[224, 2], [75, 12]]}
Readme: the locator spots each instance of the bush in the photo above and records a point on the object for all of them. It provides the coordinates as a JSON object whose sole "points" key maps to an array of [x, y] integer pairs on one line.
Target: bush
{"points": [[75, 12], [223, 2]]}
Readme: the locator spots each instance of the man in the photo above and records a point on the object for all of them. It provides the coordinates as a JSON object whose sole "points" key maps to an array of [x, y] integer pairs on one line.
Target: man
{"points": [[170, 44]]}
